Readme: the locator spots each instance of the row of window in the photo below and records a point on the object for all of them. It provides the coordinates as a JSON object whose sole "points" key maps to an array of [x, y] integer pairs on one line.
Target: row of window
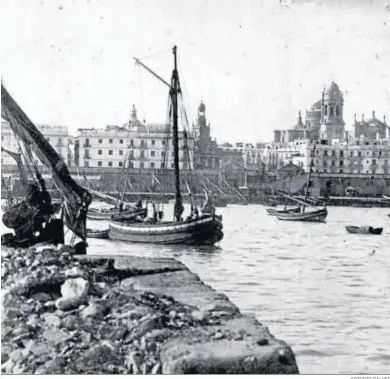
{"points": [[131, 164], [325, 163], [352, 153], [121, 141], [120, 152], [357, 171]]}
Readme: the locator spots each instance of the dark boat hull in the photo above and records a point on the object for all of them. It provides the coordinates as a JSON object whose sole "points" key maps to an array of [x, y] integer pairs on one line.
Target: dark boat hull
{"points": [[311, 216], [100, 234], [364, 230], [206, 230]]}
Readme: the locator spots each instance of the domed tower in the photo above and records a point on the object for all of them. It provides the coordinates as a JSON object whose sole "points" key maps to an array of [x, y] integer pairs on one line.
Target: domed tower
{"points": [[332, 110]]}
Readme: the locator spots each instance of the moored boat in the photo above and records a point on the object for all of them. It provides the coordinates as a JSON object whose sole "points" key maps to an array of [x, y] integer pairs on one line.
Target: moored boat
{"points": [[97, 214], [100, 234], [274, 211], [206, 230], [317, 215], [197, 229], [363, 230]]}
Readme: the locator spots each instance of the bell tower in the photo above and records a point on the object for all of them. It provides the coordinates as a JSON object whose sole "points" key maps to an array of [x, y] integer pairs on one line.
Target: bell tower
{"points": [[332, 113], [203, 127]]}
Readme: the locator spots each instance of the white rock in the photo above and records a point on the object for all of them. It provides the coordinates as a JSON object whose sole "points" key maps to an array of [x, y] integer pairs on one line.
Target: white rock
{"points": [[73, 288]]}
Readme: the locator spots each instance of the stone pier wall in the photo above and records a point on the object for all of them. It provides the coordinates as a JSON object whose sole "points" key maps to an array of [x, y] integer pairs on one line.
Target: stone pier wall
{"points": [[91, 315]]}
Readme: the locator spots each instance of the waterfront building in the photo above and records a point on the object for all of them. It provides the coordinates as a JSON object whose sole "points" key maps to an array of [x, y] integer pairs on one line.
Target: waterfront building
{"points": [[57, 135], [361, 158], [144, 146]]}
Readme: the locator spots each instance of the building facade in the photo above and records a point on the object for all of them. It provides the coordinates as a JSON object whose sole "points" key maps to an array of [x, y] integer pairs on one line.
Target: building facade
{"points": [[56, 135], [142, 146], [367, 158]]}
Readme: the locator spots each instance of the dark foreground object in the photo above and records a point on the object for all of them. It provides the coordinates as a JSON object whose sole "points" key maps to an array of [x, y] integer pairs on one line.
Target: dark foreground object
{"points": [[364, 230], [94, 315]]}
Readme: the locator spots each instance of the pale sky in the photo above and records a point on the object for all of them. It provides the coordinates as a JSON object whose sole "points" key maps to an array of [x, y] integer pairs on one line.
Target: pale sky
{"points": [[254, 63]]}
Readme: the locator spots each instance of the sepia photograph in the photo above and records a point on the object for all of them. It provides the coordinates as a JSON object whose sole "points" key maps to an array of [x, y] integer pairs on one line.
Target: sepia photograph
{"points": [[195, 187]]}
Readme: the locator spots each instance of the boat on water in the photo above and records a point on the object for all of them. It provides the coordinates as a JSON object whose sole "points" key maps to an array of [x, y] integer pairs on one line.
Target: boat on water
{"points": [[316, 215], [364, 230], [108, 214], [197, 229], [274, 211], [100, 234], [306, 213], [35, 219]]}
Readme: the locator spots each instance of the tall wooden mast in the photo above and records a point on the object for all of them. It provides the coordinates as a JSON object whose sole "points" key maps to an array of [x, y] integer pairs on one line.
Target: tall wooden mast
{"points": [[174, 92]]}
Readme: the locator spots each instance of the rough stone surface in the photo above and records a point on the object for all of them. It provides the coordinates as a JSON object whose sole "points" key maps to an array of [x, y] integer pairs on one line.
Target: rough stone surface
{"points": [[123, 315]]}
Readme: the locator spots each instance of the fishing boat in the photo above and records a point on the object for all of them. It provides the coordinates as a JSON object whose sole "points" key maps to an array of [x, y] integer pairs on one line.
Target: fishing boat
{"points": [[100, 234], [364, 230], [108, 214], [101, 214], [312, 215], [197, 229], [274, 211], [34, 219]]}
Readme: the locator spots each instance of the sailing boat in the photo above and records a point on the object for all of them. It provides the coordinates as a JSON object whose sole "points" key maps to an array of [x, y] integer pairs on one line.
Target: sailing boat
{"points": [[121, 208], [316, 215], [204, 229], [33, 219], [286, 209]]}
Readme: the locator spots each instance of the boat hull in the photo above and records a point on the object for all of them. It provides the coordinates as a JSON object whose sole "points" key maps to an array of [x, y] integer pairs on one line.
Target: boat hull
{"points": [[98, 215], [311, 216], [364, 230], [274, 211], [206, 230], [100, 234]]}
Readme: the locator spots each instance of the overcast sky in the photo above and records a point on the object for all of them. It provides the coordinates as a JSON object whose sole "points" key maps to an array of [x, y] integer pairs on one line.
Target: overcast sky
{"points": [[254, 63]]}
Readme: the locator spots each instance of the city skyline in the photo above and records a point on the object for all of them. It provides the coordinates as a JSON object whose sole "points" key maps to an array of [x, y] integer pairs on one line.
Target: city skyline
{"points": [[70, 63]]}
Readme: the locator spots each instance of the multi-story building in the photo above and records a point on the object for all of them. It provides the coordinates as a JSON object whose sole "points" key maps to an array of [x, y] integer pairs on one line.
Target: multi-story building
{"points": [[57, 136], [143, 146], [361, 158]]}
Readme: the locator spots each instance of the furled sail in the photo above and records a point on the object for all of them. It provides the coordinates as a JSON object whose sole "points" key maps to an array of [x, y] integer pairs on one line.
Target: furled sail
{"points": [[76, 198]]}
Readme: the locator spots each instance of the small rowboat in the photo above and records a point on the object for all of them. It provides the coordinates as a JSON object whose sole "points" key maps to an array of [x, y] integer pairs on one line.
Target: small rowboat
{"points": [[101, 234], [364, 230], [274, 211]]}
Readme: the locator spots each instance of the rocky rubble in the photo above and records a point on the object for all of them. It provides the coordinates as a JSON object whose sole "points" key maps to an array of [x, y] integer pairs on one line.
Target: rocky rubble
{"points": [[63, 315]]}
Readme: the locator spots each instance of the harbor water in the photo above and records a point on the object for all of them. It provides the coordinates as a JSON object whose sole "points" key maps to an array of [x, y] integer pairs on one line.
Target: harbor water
{"points": [[322, 290], [315, 286]]}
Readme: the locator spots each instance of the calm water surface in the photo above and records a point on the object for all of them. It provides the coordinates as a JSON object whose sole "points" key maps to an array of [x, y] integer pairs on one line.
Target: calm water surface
{"points": [[314, 285]]}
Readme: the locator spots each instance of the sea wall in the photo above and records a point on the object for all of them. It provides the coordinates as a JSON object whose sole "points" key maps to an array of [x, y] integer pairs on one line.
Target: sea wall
{"points": [[64, 314]]}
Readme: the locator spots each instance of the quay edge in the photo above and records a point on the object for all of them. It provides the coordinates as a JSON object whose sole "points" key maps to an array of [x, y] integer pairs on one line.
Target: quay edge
{"points": [[143, 315]]}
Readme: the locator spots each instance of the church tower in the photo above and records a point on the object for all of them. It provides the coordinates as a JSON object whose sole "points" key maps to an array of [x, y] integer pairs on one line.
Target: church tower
{"points": [[203, 129], [332, 109]]}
